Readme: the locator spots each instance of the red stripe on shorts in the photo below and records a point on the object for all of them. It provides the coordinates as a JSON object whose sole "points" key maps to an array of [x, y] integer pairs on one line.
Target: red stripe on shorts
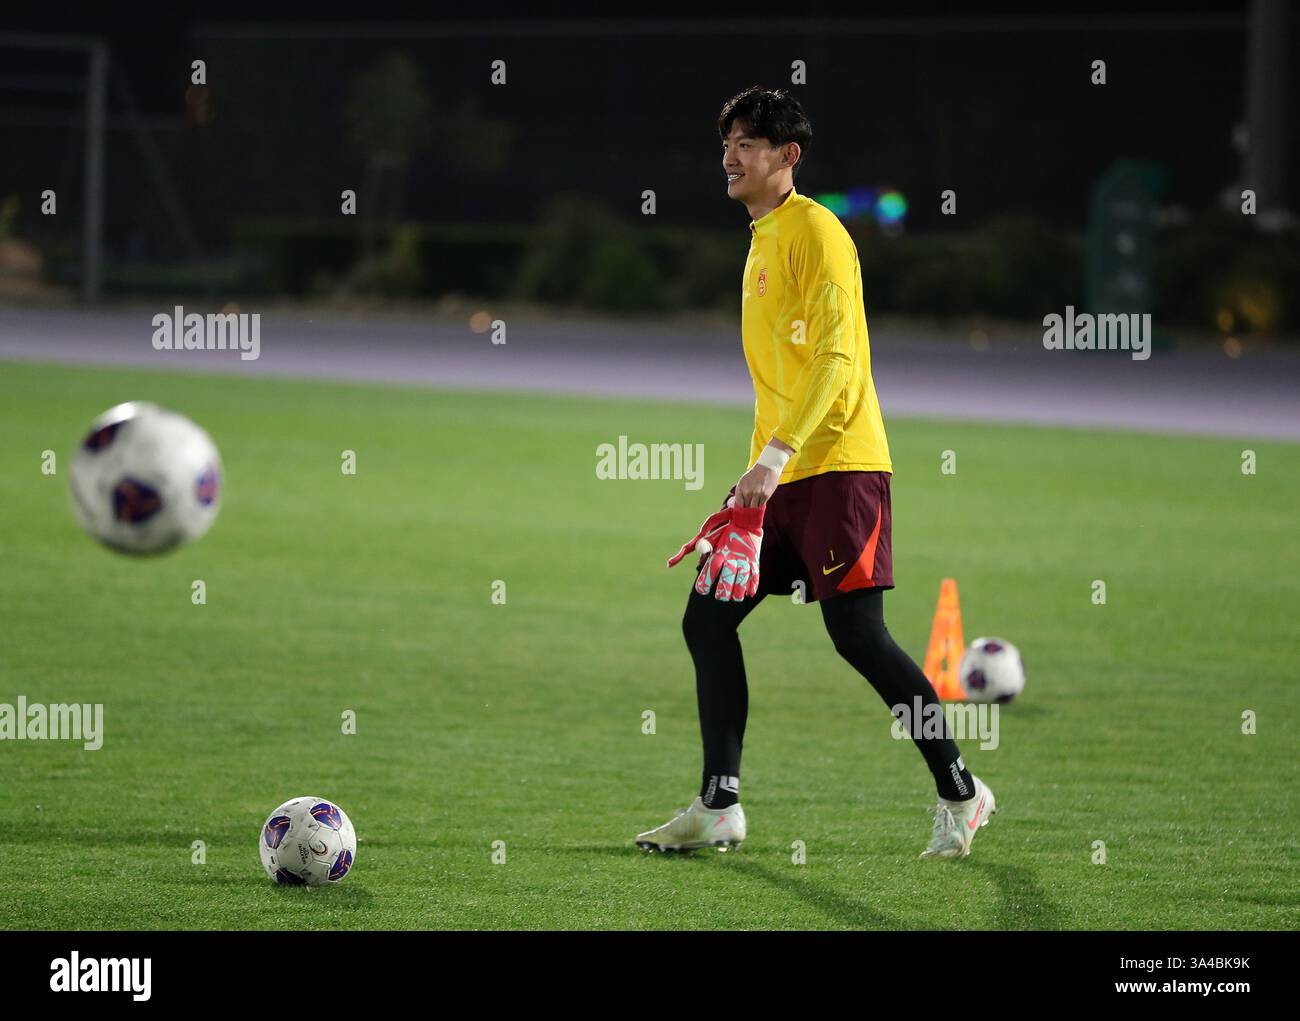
{"points": [[860, 574]]}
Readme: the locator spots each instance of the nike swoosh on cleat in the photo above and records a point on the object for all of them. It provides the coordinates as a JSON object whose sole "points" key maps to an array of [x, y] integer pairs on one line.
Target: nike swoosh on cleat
{"points": [[721, 820], [975, 822]]}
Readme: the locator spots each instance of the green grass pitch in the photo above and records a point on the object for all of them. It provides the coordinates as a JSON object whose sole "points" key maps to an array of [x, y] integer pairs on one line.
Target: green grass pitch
{"points": [[522, 722]]}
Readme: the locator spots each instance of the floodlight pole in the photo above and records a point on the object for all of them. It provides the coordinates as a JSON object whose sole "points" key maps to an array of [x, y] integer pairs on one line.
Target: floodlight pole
{"points": [[93, 194], [1266, 119]]}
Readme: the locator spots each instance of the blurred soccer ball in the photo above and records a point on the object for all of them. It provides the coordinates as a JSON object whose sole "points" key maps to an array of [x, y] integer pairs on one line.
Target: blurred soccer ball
{"points": [[145, 479], [992, 671], [308, 842]]}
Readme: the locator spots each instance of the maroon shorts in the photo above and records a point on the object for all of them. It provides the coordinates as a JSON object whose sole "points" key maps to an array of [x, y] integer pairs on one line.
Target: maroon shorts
{"points": [[831, 532]]}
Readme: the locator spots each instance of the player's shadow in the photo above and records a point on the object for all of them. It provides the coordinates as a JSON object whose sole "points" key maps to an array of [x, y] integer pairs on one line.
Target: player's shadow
{"points": [[1271, 900], [1022, 904], [851, 912]]}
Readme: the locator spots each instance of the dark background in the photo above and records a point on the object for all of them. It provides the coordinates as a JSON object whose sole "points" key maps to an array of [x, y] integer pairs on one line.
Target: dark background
{"points": [[233, 188]]}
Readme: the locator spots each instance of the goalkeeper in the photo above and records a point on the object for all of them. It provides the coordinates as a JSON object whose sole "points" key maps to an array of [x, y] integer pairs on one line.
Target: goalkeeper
{"points": [[812, 512]]}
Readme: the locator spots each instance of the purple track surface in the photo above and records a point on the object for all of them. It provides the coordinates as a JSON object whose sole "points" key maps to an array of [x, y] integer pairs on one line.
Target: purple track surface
{"points": [[919, 371]]}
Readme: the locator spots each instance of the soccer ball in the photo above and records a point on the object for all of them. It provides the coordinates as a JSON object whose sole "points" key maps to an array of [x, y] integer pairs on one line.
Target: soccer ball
{"points": [[992, 671], [308, 842], [145, 479]]}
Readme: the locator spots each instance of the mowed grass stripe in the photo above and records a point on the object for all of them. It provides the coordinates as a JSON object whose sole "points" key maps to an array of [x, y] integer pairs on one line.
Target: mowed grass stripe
{"points": [[522, 722]]}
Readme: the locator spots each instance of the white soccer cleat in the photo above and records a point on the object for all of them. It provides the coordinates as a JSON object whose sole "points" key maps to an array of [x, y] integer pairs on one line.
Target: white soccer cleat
{"points": [[955, 823], [696, 827]]}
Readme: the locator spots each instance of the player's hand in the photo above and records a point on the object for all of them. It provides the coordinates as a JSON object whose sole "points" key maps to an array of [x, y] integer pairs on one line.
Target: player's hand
{"points": [[709, 531], [756, 486], [732, 568]]}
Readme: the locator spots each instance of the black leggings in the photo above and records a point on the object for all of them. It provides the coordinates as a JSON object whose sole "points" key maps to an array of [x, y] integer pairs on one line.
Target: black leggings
{"points": [[856, 623]]}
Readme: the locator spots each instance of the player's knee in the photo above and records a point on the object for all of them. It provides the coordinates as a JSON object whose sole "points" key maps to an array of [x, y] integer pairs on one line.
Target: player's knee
{"points": [[703, 625], [859, 641]]}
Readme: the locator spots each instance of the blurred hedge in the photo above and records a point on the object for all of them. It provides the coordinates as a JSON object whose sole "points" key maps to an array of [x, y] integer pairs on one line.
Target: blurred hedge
{"points": [[1012, 269], [1219, 273], [1213, 273]]}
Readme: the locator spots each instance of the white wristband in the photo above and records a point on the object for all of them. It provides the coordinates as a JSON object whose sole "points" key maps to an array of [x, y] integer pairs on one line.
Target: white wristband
{"points": [[774, 458]]}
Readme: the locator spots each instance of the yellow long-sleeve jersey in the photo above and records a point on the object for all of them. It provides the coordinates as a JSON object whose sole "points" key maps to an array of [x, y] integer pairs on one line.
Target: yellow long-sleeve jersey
{"points": [[805, 334]]}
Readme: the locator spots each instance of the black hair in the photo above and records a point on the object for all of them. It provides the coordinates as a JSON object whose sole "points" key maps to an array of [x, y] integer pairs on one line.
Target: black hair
{"points": [[773, 114]]}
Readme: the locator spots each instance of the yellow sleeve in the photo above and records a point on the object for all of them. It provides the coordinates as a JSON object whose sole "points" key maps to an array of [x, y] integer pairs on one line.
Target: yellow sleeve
{"points": [[824, 267]]}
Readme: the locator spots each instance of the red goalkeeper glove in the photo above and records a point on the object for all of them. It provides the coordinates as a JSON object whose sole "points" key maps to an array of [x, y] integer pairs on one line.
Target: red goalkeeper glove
{"points": [[731, 570], [709, 531]]}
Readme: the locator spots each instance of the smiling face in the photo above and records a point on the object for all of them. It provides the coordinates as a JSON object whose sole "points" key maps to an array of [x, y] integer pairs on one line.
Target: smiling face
{"points": [[757, 171]]}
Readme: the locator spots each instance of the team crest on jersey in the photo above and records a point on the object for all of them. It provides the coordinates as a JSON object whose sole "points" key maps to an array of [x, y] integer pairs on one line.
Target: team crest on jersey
{"points": [[762, 282]]}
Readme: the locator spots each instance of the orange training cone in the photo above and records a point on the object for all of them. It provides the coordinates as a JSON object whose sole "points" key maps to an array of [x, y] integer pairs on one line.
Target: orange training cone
{"points": [[946, 646]]}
